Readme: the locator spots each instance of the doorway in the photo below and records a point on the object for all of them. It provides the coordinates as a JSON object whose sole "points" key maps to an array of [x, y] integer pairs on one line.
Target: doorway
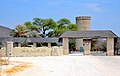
{"points": [[98, 47]]}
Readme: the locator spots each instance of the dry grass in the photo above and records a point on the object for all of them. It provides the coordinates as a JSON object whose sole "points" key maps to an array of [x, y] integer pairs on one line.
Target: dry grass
{"points": [[3, 62], [17, 68]]}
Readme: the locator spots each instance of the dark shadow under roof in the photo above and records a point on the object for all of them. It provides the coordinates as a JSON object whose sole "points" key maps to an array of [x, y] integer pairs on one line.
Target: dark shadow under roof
{"points": [[42, 40], [118, 39], [5, 39], [89, 34]]}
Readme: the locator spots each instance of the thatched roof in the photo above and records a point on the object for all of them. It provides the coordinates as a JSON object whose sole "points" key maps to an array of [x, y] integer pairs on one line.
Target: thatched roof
{"points": [[89, 34], [42, 40], [4, 31]]}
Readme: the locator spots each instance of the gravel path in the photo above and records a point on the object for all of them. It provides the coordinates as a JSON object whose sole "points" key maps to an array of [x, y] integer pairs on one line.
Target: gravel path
{"points": [[71, 66]]}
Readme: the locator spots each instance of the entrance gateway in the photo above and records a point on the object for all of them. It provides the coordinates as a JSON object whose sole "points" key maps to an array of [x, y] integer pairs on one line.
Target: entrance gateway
{"points": [[87, 36]]}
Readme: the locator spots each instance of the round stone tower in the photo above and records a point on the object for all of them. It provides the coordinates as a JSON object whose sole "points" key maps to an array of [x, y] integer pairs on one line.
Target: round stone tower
{"points": [[83, 23]]}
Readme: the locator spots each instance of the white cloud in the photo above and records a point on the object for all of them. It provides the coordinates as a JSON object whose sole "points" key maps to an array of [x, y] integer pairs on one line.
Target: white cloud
{"points": [[94, 7]]}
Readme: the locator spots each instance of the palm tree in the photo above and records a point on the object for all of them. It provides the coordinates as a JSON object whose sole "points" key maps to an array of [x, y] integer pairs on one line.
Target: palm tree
{"points": [[19, 31], [25, 31]]}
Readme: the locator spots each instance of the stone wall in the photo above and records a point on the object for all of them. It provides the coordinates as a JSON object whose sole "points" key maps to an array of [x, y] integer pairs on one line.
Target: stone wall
{"points": [[36, 51], [2, 52]]}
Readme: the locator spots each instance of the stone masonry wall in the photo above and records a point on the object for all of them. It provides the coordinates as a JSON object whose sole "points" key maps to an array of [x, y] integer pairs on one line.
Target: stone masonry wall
{"points": [[34, 52]]}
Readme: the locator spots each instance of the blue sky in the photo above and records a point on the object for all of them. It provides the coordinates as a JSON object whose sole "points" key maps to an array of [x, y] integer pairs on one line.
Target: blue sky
{"points": [[105, 14]]}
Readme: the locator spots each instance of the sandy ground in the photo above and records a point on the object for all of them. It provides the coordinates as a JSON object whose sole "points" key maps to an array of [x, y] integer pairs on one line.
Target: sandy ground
{"points": [[71, 66]]}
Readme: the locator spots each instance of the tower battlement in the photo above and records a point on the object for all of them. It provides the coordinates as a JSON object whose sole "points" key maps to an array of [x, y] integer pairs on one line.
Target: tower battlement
{"points": [[83, 18], [83, 22]]}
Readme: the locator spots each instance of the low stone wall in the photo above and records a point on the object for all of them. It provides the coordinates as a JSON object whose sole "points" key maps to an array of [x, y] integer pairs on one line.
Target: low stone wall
{"points": [[32, 51], [2, 52]]}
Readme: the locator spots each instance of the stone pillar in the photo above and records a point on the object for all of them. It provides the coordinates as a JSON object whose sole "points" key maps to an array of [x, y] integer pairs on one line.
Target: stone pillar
{"points": [[19, 44], [34, 44], [110, 46], [79, 43], [65, 46], [87, 47], [49, 45], [9, 48]]}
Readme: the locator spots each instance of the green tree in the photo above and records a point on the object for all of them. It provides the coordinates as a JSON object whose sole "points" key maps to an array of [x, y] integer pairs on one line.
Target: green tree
{"points": [[62, 26], [44, 25], [72, 27], [31, 26], [33, 30]]}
